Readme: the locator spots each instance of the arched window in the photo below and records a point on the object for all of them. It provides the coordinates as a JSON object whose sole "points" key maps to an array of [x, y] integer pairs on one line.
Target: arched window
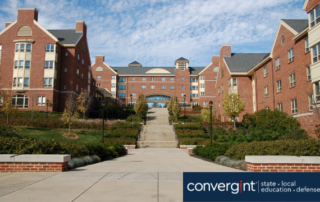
{"points": [[24, 31], [216, 69], [20, 101], [99, 69]]}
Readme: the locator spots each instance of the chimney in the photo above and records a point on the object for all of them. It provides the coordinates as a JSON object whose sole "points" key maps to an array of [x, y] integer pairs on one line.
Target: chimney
{"points": [[216, 60], [99, 59], [27, 14], [81, 27], [8, 23], [225, 50]]}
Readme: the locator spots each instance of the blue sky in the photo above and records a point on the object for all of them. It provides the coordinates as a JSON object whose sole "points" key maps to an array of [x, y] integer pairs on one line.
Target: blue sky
{"points": [[157, 32]]}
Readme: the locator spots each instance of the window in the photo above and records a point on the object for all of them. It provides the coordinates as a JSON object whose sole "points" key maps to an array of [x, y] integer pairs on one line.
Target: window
{"points": [[193, 95], [202, 85], [310, 102], [193, 87], [14, 82], [316, 53], [163, 79], [182, 94], [143, 78], [201, 93], [292, 80], [47, 82], [65, 87], [234, 82], [77, 88], [82, 77], [122, 88], [82, 62], [152, 79], [78, 57], [306, 42], [133, 94], [314, 16], [121, 95], [265, 71], [66, 53], [280, 107], [17, 47], [171, 78], [22, 47], [27, 65], [28, 48], [204, 104], [163, 87], [194, 103], [222, 72], [266, 94], [122, 79], [112, 77], [171, 87], [215, 77], [182, 66], [294, 109], [267, 108], [65, 69], [317, 84], [193, 79], [308, 73], [132, 86], [143, 86], [113, 85], [133, 78], [26, 82], [78, 73], [222, 89], [41, 101], [182, 78], [19, 81], [201, 77], [98, 77], [218, 91], [279, 86], [49, 65], [182, 86], [20, 101], [229, 82], [50, 48], [277, 63], [291, 55], [21, 64], [152, 86]]}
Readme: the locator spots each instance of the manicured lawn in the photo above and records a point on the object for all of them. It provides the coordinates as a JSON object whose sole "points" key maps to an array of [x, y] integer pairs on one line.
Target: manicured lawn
{"points": [[85, 136]]}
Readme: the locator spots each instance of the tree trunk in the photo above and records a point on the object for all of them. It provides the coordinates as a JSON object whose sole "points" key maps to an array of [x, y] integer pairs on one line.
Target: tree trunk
{"points": [[69, 128], [235, 126]]}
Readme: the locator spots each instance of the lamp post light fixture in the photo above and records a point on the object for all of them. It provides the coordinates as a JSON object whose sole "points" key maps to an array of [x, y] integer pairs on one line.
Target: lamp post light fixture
{"points": [[184, 96], [210, 104], [103, 104], [47, 106], [131, 105]]}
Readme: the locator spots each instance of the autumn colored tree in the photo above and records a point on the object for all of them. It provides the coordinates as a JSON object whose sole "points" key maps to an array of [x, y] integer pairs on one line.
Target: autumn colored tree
{"points": [[205, 113], [175, 107], [84, 101], [141, 106], [233, 105], [70, 112], [6, 101]]}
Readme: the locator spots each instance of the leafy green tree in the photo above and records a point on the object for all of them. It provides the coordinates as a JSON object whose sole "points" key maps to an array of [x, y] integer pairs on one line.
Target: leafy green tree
{"points": [[176, 107], [6, 102], [205, 113], [84, 101], [233, 105], [70, 112], [141, 106]]}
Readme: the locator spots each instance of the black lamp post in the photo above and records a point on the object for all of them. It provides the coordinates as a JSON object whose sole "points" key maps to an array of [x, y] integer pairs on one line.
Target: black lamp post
{"points": [[47, 106], [184, 108], [131, 105], [103, 103], [210, 104]]}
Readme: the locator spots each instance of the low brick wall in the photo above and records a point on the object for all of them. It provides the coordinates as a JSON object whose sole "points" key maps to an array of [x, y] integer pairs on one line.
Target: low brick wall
{"points": [[283, 164], [187, 146], [34, 163], [130, 146], [190, 151], [33, 167]]}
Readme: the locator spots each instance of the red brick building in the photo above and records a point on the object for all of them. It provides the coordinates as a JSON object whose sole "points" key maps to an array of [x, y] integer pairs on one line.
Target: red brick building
{"points": [[157, 83], [39, 64]]}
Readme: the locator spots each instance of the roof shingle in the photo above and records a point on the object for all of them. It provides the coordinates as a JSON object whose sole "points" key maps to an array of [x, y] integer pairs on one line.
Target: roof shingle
{"points": [[244, 62], [298, 25], [66, 36]]}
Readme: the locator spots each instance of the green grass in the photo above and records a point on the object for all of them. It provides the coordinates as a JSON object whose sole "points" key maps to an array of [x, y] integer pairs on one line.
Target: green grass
{"points": [[85, 136]]}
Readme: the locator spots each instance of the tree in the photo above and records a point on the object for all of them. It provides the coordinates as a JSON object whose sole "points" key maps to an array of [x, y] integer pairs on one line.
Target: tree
{"points": [[70, 112], [84, 102], [233, 105], [175, 107], [205, 113], [141, 106], [6, 101]]}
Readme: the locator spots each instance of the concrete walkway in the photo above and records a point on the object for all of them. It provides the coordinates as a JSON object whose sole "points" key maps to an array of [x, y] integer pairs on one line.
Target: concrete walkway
{"points": [[157, 133], [144, 175]]}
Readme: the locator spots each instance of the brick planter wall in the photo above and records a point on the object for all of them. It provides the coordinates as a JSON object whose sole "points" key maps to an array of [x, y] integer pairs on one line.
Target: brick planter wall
{"points": [[190, 151], [272, 167], [33, 167]]}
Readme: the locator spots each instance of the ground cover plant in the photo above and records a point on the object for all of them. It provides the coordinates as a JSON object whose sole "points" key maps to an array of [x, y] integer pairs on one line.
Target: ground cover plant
{"points": [[211, 151]]}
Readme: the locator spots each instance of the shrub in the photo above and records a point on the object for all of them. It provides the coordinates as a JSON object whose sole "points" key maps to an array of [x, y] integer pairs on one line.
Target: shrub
{"points": [[211, 152], [126, 125], [121, 141], [194, 141], [279, 147], [191, 133], [126, 132], [87, 160], [225, 161], [190, 127]]}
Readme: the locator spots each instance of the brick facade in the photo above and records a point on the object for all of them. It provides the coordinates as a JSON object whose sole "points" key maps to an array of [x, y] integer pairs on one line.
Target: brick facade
{"points": [[33, 167], [273, 167]]}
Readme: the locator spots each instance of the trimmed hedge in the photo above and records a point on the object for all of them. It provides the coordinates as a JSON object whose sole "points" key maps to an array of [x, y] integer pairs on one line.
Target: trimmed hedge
{"points": [[194, 141], [279, 147], [191, 133], [120, 140], [211, 152], [189, 127]]}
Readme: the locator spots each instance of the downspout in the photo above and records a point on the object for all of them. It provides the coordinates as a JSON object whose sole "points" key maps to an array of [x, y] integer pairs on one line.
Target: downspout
{"points": [[256, 92], [273, 95]]}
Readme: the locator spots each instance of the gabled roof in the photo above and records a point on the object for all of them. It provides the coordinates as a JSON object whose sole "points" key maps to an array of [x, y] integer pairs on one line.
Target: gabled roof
{"points": [[135, 70], [297, 25], [195, 70], [182, 58], [244, 62], [135, 63], [66, 36]]}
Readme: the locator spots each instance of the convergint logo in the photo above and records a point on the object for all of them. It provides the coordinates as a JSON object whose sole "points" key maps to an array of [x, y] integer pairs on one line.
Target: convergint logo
{"points": [[232, 187]]}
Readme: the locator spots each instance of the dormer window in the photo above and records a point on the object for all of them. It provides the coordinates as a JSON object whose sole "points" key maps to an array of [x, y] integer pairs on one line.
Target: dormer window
{"points": [[182, 66]]}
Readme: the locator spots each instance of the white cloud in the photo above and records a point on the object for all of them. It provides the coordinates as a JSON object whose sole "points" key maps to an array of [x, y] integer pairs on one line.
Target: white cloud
{"points": [[155, 33]]}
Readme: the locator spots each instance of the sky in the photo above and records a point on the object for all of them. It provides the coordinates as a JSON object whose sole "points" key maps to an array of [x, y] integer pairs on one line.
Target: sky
{"points": [[157, 32]]}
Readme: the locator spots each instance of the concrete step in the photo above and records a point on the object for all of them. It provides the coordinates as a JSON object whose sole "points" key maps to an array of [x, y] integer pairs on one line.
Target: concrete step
{"points": [[157, 144]]}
